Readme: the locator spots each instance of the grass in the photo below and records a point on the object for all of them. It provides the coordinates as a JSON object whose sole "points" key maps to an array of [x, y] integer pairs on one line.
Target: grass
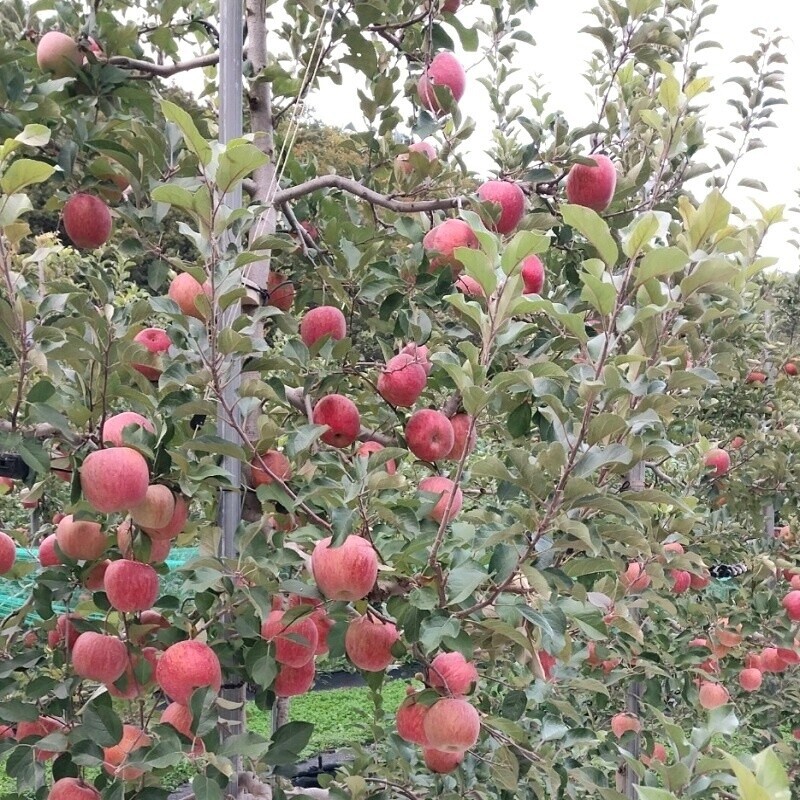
{"points": [[341, 717]]}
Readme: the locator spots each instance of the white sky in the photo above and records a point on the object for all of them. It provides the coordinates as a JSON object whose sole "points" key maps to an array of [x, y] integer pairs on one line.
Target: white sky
{"points": [[560, 55]]}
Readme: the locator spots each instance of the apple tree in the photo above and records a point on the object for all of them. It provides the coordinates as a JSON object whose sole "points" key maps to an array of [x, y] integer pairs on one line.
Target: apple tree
{"points": [[483, 424]]}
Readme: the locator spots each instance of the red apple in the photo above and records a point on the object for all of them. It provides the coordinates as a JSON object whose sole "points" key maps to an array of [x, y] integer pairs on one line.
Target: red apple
{"points": [[411, 721], [72, 789], [420, 354], [750, 679], [295, 642], [114, 427], [719, 460], [157, 549], [532, 272], [469, 286], [156, 509], [154, 341], [341, 416], [681, 581], [452, 725], [699, 582], [365, 449], [511, 200], [674, 547], [347, 572], [402, 163], [185, 290], [440, 242], [464, 438], [293, 681], [81, 539], [280, 291], [737, 443], [178, 522], [274, 461], [128, 687], [441, 761], [180, 718], [186, 666], [713, 695], [48, 557], [8, 553], [6, 485], [452, 673], [402, 380], [622, 723], [792, 605], [58, 53], [319, 616], [755, 376], [99, 657], [87, 221], [65, 633], [790, 368], [635, 579], [114, 479], [594, 186], [451, 6], [445, 70], [429, 434], [436, 484], [320, 322], [41, 727], [368, 643], [115, 758], [130, 585], [659, 754]]}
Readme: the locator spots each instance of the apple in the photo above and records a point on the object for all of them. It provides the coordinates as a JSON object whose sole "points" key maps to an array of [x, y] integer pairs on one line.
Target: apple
{"points": [[622, 723], [510, 199], [114, 479], [341, 416], [464, 438], [635, 579], [440, 761], [58, 53], [420, 354], [469, 286], [410, 720], [681, 581], [445, 70], [65, 633], [441, 240], [592, 186], [659, 754], [403, 164], [280, 291], [185, 290], [674, 547], [295, 642], [451, 6], [6, 485], [128, 687], [293, 681], [114, 758], [452, 673], [320, 322], [319, 616], [792, 605], [72, 789], [718, 460], [790, 368], [274, 461], [713, 695], [48, 557], [750, 679], [452, 725], [365, 449], [157, 549], [368, 643], [436, 484], [178, 522], [146, 628], [99, 657], [81, 539], [532, 271], [87, 221], [429, 434], [130, 585], [114, 426], [180, 718], [402, 380], [699, 582], [154, 341], [737, 443], [754, 376], [156, 509], [347, 572], [8, 553], [41, 727], [186, 666], [771, 660]]}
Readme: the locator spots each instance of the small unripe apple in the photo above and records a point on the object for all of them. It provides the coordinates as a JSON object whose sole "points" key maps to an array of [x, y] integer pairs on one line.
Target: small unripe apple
{"points": [[440, 761], [8, 553], [452, 673], [295, 642], [280, 291], [320, 322], [452, 725], [402, 380], [115, 758], [341, 416], [410, 721], [592, 186], [511, 200], [464, 436], [445, 70], [429, 434], [130, 585], [155, 341], [294, 681], [58, 53], [750, 679], [156, 508], [81, 539], [792, 605], [718, 460], [274, 461], [713, 695], [441, 241], [532, 272], [114, 427], [99, 657], [365, 449], [185, 291], [87, 221], [114, 479], [622, 723], [72, 789], [186, 666], [347, 572], [436, 484], [368, 643]]}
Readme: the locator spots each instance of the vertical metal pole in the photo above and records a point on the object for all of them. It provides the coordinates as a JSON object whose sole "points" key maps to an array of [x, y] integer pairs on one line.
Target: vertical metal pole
{"points": [[231, 19]]}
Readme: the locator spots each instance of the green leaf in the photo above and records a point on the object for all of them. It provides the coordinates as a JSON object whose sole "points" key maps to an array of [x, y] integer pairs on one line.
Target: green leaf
{"points": [[12, 207], [505, 769], [288, 742], [237, 162], [663, 261], [100, 722], [524, 243], [711, 217], [194, 141], [204, 788], [749, 788], [173, 195], [708, 274], [25, 172], [463, 581], [34, 135], [601, 295], [477, 265], [641, 231], [771, 774], [594, 228], [651, 793]]}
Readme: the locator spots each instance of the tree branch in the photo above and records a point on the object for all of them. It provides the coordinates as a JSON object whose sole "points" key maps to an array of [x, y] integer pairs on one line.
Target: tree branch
{"points": [[163, 70]]}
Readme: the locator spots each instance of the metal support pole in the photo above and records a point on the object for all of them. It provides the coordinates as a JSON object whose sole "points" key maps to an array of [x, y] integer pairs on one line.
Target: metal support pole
{"points": [[231, 19]]}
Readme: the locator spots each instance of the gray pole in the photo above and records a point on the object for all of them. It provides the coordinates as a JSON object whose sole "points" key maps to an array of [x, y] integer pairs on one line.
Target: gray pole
{"points": [[231, 19]]}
